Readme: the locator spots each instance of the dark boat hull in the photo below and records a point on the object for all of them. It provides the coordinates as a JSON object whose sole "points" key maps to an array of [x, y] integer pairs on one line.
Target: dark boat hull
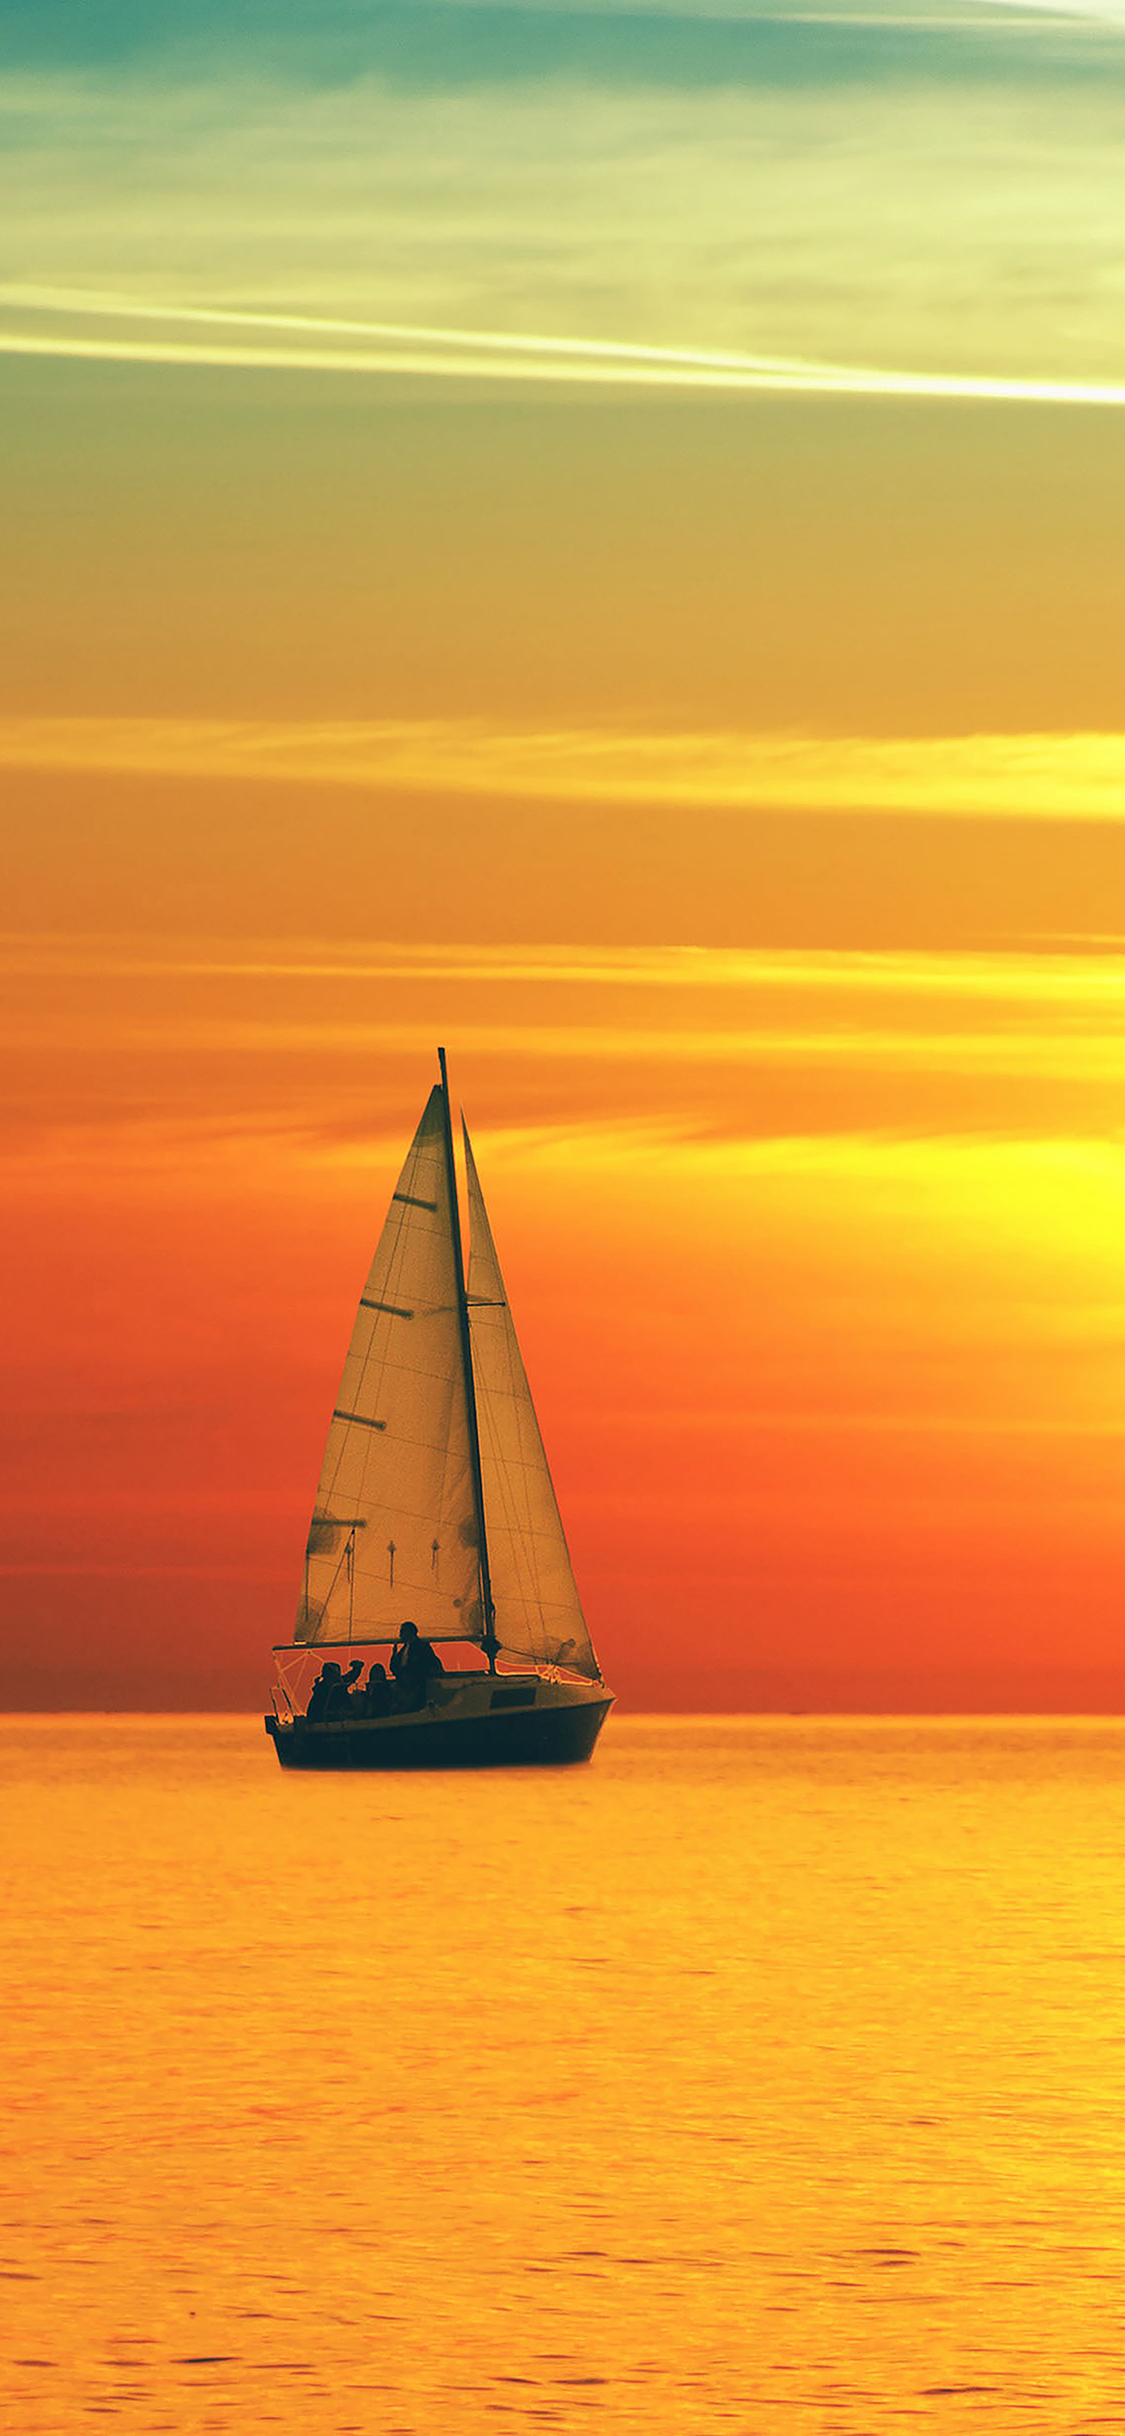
{"points": [[527, 1738]]}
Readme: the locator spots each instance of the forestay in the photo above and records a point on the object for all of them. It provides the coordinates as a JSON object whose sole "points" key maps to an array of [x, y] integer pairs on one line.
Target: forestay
{"points": [[538, 1613], [394, 1530]]}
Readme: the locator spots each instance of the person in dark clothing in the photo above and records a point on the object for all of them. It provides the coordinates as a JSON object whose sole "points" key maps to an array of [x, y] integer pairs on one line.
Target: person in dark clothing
{"points": [[376, 1694], [413, 1663], [329, 1695], [338, 1703], [324, 1686]]}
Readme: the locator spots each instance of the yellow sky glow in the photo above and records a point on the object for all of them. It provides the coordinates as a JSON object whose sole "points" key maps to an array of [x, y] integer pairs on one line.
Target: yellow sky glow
{"points": [[1023, 777]]}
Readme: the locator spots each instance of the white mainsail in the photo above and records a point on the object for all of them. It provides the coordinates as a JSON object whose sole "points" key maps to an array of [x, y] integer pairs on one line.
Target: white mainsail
{"points": [[538, 1613], [394, 1530]]}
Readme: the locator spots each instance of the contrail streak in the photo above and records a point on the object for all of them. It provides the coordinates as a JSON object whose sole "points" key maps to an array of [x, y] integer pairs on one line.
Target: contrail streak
{"points": [[491, 355]]}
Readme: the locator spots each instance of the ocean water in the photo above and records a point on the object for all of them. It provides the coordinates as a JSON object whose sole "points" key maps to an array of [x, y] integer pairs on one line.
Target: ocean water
{"points": [[766, 2074]]}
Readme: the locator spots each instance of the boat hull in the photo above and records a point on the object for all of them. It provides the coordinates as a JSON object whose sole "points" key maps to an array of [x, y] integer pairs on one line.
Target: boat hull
{"points": [[536, 1736]]}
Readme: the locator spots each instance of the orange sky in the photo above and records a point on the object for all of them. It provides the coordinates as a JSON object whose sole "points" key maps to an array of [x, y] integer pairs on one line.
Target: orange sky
{"points": [[732, 781], [825, 1341]]}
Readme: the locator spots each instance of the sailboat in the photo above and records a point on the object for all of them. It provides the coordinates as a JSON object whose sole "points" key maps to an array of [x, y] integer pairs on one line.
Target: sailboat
{"points": [[435, 1519]]}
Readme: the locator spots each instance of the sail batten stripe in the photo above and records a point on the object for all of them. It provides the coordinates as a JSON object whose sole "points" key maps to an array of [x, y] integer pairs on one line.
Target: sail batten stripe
{"points": [[414, 1202], [367, 1302], [361, 1419]]}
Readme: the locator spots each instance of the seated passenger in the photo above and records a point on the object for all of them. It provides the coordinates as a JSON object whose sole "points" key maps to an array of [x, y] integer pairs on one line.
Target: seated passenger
{"points": [[338, 1704], [413, 1662], [325, 1684], [376, 1693]]}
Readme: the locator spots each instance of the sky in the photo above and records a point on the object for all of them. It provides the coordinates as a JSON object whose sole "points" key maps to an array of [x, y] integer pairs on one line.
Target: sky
{"points": [[596, 537]]}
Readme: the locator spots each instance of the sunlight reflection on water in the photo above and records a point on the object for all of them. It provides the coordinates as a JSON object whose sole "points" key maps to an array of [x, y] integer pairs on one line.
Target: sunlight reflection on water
{"points": [[765, 2074]]}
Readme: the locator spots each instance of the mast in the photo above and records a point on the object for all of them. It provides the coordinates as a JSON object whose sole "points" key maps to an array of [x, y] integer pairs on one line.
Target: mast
{"points": [[490, 1642]]}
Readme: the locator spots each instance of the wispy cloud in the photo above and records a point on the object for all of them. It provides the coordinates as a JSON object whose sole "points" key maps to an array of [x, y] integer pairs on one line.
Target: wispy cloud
{"points": [[1005, 777], [1098, 12], [1021, 978], [814, 233], [484, 355], [951, 17], [1055, 1018], [1079, 1055]]}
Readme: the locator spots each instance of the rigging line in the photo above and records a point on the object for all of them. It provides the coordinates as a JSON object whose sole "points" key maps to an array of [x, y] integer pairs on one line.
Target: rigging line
{"points": [[341, 1559]]}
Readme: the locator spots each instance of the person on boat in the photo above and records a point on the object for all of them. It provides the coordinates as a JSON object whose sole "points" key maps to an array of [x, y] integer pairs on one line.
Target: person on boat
{"points": [[329, 1696], [325, 1684], [338, 1703], [376, 1693], [413, 1662]]}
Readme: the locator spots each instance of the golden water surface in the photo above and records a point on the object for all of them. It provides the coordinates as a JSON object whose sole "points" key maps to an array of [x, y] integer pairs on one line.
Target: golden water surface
{"points": [[764, 2075]]}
